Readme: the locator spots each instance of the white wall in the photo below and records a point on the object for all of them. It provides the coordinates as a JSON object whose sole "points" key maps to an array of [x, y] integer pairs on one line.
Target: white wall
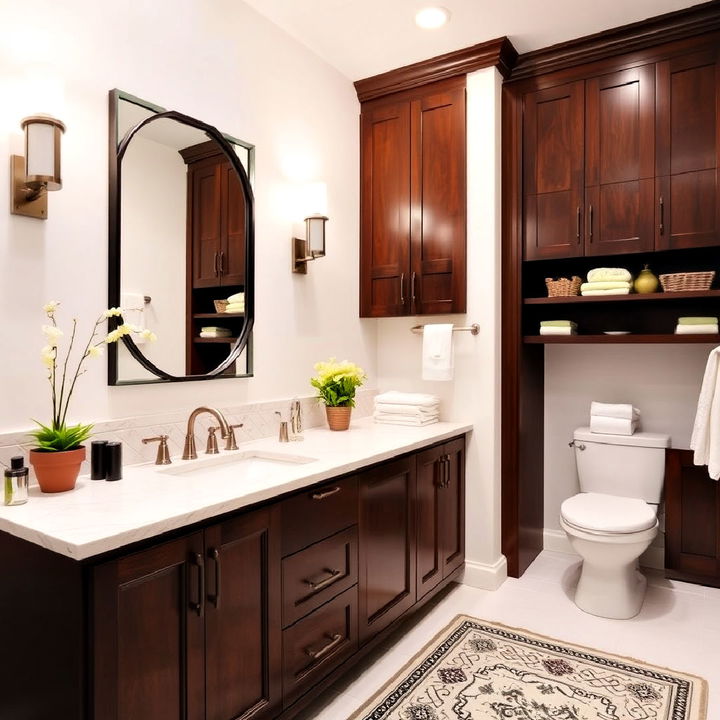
{"points": [[474, 394], [663, 381], [223, 63]]}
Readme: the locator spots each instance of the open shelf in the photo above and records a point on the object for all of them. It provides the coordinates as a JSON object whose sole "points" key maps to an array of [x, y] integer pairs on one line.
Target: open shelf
{"points": [[215, 340], [632, 338], [650, 297], [214, 316]]}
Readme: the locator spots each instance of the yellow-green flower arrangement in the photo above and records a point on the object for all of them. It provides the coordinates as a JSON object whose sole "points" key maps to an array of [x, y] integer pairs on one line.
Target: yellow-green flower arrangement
{"points": [[336, 382], [58, 436]]}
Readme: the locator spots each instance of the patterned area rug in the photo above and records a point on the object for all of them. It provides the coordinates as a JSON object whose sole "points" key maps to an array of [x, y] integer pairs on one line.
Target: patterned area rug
{"points": [[476, 670]]}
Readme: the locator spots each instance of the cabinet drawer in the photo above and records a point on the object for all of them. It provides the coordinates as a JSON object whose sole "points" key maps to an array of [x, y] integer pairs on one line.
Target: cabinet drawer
{"points": [[314, 575], [316, 645], [317, 513]]}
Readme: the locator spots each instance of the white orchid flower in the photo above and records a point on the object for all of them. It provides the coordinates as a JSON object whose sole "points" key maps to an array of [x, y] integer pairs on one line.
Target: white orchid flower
{"points": [[51, 306], [53, 334], [148, 335], [112, 312], [47, 355], [94, 351]]}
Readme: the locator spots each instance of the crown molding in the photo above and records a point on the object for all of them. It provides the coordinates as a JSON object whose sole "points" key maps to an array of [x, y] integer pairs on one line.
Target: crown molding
{"points": [[499, 53]]}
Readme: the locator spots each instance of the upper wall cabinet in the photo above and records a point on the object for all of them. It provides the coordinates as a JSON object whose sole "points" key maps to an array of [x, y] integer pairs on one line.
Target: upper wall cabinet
{"points": [[412, 252], [623, 162]]}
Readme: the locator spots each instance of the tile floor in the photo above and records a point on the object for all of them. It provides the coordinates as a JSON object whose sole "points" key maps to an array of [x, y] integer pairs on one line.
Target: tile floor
{"points": [[678, 627]]}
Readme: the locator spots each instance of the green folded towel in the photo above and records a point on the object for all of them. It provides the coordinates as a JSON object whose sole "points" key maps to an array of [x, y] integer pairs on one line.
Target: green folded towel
{"points": [[697, 321], [557, 323]]}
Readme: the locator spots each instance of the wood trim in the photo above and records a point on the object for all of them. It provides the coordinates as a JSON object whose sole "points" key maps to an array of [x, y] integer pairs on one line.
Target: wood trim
{"points": [[201, 151], [498, 52], [678, 25]]}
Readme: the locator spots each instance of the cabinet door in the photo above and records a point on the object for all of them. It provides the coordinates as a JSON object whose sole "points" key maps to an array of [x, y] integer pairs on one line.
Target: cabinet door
{"points": [[386, 544], [553, 177], [429, 468], [438, 158], [385, 210], [243, 619], [452, 508], [688, 151], [232, 257], [620, 162], [205, 183], [149, 634]]}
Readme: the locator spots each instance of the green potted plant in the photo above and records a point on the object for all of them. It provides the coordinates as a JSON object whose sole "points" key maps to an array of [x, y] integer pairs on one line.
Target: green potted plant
{"points": [[336, 383], [59, 450]]}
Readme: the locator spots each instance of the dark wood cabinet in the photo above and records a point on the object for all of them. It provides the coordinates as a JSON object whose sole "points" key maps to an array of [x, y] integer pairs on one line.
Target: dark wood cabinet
{"points": [[191, 628], [688, 151], [692, 520], [440, 513], [387, 544], [413, 202]]}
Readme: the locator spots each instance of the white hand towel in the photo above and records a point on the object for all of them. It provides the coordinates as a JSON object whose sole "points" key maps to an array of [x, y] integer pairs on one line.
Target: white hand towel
{"points": [[623, 411], [618, 291], [401, 398], [390, 409], [705, 440], [552, 330], [612, 426], [605, 285], [697, 330], [437, 352], [609, 274], [398, 420]]}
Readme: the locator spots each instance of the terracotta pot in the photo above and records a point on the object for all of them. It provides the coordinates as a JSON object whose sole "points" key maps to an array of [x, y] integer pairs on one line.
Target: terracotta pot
{"points": [[57, 471], [338, 417]]}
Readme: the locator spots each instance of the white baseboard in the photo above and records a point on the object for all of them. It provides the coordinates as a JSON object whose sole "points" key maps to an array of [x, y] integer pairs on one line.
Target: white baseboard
{"points": [[485, 576], [557, 541]]}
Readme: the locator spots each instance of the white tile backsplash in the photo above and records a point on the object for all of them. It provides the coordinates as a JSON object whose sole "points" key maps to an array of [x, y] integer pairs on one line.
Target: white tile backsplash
{"points": [[259, 420]]}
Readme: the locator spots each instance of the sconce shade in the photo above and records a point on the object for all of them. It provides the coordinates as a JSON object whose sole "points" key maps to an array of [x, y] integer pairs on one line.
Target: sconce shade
{"points": [[42, 152], [315, 235]]}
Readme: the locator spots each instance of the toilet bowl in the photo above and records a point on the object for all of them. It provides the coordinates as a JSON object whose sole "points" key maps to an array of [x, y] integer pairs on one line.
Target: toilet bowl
{"points": [[614, 519]]}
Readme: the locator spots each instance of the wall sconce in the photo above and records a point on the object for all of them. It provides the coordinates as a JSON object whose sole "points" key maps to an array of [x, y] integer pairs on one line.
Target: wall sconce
{"points": [[312, 246], [39, 171]]}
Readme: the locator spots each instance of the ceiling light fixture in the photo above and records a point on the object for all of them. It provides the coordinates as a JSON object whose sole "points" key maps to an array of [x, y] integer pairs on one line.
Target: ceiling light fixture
{"points": [[430, 18]]}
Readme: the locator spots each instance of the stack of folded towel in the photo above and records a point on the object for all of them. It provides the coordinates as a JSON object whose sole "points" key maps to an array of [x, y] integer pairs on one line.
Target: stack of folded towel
{"points": [[558, 327], [397, 408], [236, 303], [697, 326], [215, 332], [607, 281], [609, 419]]}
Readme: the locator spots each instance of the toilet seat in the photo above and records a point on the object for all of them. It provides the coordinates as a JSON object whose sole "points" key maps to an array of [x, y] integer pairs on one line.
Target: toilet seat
{"points": [[600, 514]]}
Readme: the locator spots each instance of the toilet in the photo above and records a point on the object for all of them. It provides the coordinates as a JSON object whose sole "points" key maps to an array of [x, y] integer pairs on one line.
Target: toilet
{"points": [[613, 519]]}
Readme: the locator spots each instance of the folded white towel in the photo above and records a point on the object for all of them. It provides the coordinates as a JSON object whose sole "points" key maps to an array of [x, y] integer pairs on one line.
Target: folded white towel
{"points": [[216, 334], [612, 426], [437, 352], [619, 410], [237, 297], [401, 398], [609, 274], [419, 411], [697, 330], [553, 330], [616, 291], [235, 308], [605, 285], [705, 440], [399, 420]]}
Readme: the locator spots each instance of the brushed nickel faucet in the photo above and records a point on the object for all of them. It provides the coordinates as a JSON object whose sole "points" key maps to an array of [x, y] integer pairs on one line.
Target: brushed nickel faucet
{"points": [[189, 452]]}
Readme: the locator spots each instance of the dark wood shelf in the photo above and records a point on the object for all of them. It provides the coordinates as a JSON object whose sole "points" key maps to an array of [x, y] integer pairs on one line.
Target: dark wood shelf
{"points": [[650, 297], [215, 340], [209, 316], [632, 338]]}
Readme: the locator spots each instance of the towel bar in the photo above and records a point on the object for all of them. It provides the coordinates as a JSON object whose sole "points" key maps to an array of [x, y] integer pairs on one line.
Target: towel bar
{"points": [[473, 329]]}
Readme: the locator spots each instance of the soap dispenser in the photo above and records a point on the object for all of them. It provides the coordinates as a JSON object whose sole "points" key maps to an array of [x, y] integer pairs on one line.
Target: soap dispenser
{"points": [[16, 482]]}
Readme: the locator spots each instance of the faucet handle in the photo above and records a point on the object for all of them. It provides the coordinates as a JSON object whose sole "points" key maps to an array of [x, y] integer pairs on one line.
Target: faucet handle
{"points": [[212, 446], [163, 454], [231, 443]]}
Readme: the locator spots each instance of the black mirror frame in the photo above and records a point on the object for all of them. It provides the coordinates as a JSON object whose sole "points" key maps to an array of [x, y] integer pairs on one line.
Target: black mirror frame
{"points": [[117, 149]]}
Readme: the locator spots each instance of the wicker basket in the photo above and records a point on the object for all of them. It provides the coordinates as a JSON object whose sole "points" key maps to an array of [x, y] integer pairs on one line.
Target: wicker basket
{"points": [[679, 282], [220, 305], [563, 287]]}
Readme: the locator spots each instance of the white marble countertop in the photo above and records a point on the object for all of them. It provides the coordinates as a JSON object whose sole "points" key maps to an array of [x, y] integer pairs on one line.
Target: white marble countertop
{"points": [[100, 516]]}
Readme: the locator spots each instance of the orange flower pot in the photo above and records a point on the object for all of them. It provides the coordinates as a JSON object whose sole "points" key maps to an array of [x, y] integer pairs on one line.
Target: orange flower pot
{"points": [[338, 418], [57, 471]]}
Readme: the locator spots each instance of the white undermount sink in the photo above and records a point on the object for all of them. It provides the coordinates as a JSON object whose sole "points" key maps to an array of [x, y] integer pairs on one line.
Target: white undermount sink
{"points": [[246, 464]]}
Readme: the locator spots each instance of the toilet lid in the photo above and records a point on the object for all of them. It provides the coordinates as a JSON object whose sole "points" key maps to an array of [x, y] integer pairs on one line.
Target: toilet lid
{"points": [[608, 513]]}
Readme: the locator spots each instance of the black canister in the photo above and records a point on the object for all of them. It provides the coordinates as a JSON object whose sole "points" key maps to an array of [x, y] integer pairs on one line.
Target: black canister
{"points": [[113, 461], [98, 459]]}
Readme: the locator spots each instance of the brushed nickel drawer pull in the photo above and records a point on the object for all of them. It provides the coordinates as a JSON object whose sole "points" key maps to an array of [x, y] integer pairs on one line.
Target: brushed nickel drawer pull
{"points": [[335, 640], [325, 494], [334, 575]]}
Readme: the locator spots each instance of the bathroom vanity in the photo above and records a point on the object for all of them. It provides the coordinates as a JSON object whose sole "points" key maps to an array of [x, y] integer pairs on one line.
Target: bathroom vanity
{"points": [[228, 587]]}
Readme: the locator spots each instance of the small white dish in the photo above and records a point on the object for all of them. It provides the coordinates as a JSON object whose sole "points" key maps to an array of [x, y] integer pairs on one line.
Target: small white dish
{"points": [[616, 332]]}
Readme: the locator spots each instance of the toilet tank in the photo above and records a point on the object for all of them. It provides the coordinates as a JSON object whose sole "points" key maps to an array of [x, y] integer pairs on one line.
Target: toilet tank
{"points": [[624, 465]]}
